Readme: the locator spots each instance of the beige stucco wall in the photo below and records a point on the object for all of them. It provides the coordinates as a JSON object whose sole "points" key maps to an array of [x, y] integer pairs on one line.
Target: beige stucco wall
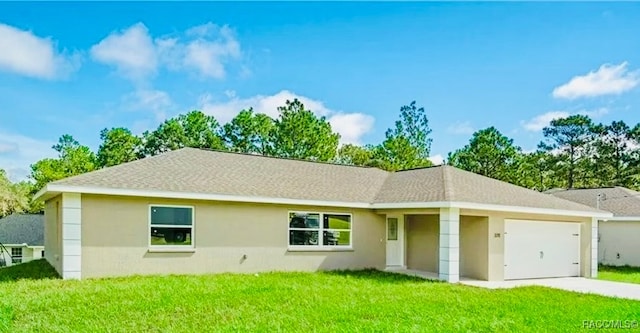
{"points": [[423, 232], [474, 247], [619, 238], [52, 233], [115, 235]]}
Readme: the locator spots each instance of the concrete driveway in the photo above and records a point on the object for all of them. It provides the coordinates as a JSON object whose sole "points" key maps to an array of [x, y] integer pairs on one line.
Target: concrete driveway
{"points": [[577, 284]]}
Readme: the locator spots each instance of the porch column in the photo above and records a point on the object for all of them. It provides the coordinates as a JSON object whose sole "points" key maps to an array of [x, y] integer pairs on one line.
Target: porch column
{"points": [[449, 263], [594, 248], [71, 235]]}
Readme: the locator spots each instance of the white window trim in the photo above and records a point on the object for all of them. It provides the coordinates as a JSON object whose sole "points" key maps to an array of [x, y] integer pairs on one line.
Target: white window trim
{"points": [[15, 257], [320, 229], [172, 248]]}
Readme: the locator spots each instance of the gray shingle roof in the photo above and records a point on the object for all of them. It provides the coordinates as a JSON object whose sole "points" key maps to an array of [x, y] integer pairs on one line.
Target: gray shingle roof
{"points": [[190, 170], [203, 171], [446, 183], [618, 200], [22, 228]]}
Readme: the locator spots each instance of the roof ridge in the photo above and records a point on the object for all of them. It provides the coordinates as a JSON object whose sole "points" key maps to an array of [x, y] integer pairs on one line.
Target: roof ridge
{"points": [[446, 182], [282, 158]]}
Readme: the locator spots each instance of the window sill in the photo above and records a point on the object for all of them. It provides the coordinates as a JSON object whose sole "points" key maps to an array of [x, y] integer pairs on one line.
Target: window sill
{"points": [[171, 250], [319, 249]]}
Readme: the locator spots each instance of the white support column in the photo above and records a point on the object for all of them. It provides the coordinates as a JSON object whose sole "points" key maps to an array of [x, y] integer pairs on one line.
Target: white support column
{"points": [[594, 248], [449, 263], [71, 236]]}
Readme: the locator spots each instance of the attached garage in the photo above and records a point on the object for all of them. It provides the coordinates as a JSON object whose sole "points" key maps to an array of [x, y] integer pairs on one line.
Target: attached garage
{"points": [[541, 249]]}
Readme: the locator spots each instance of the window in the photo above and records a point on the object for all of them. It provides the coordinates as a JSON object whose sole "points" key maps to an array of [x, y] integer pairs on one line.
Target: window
{"points": [[171, 226], [392, 228], [319, 229], [16, 254]]}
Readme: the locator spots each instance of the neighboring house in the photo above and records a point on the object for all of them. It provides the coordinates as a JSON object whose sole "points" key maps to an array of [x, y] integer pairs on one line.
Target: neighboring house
{"points": [[21, 238], [619, 236], [193, 211]]}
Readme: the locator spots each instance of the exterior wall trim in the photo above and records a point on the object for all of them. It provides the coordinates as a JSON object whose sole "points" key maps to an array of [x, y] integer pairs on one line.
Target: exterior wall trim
{"points": [[71, 235]]}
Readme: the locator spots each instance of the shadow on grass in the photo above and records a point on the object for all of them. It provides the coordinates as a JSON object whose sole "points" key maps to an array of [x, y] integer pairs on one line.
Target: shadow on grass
{"points": [[619, 269], [379, 276], [34, 270]]}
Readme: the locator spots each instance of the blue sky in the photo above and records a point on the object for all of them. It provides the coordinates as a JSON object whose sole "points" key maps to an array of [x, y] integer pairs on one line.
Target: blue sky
{"points": [[77, 68]]}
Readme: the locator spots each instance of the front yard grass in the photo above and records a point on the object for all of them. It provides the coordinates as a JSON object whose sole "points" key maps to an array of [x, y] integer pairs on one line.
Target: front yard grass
{"points": [[351, 301], [619, 273]]}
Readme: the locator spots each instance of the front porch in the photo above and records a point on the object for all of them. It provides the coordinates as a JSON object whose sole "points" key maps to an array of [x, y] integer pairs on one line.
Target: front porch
{"points": [[435, 276], [438, 244]]}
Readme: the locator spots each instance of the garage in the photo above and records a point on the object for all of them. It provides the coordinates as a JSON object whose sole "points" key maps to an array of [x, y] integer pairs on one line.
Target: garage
{"points": [[541, 249]]}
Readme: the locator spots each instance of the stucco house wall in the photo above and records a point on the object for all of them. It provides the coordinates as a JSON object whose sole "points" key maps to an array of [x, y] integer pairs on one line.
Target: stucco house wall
{"points": [[53, 233], [228, 237], [619, 243], [474, 247], [422, 242]]}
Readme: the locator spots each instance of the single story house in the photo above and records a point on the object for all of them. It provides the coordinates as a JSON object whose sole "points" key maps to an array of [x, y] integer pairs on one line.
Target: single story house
{"points": [[619, 236], [21, 238], [193, 211]]}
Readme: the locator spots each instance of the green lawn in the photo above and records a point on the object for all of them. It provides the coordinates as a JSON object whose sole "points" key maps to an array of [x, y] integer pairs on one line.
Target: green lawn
{"points": [[360, 301], [621, 273]]}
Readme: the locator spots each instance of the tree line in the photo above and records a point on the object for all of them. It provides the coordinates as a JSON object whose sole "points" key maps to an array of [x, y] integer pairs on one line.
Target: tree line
{"points": [[296, 133], [574, 152]]}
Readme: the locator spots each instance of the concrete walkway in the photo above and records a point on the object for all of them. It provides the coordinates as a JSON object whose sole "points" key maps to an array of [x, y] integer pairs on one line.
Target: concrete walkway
{"points": [[577, 284]]}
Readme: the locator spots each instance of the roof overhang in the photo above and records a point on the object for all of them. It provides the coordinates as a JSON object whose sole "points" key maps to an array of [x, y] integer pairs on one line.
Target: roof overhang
{"points": [[623, 219], [52, 190], [491, 207]]}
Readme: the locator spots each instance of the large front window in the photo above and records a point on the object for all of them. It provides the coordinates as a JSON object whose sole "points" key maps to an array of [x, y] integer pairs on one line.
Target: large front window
{"points": [[171, 225], [319, 229]]}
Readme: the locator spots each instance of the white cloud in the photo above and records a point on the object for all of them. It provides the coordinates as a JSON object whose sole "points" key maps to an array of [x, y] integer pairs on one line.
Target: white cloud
{"points": [[7, 147], [20, 152], [541, 121], [607, 80], [203, 50], [461, 128], [597, 113], [26, 54], [210, 49], [436, 159], [131, 51], [351, 126], [157, 102]]}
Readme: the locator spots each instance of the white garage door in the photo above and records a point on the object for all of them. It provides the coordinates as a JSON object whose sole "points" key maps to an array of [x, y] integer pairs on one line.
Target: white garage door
{"points": [[537, 249]]}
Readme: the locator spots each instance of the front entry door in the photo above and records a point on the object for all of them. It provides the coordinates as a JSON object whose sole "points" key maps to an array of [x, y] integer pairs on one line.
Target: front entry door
{"points": [[395, 241]]}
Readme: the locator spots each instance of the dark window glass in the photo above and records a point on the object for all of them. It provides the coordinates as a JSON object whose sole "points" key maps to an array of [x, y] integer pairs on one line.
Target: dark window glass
{"points": [[170, 236], [171, 215], [303, 237], [304, 221]]}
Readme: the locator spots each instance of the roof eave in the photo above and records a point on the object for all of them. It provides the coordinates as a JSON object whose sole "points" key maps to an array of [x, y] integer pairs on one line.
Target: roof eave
{"points": [[623, 219], [492, 207], [58, 188], [200, 196]]}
